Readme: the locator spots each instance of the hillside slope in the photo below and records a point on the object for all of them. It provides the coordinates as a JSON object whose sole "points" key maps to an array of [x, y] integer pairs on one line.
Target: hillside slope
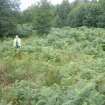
{"points": [[67, 67]]}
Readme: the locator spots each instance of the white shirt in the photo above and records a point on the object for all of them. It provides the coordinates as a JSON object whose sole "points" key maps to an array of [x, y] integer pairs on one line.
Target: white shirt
{"points": [[18, 40]]}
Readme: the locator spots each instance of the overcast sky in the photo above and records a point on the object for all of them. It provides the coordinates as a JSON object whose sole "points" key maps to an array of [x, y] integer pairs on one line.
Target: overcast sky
{"points": [[27, 3]]}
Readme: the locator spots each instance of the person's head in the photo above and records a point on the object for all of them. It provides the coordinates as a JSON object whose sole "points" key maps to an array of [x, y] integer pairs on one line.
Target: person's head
{"points": [[17, 36]]}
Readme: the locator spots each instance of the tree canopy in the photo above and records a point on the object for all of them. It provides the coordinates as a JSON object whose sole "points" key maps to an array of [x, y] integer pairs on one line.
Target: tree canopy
{"points": [[8, 13], [43, 15]]}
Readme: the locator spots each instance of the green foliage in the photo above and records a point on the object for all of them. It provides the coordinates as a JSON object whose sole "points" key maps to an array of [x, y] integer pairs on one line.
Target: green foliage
{"points": [[7, 17], [84, 15], [62, 12], [91, 15], [64, 68], [52, 77], [42, 18], [101, 22], [102, 3], [24, 30], [44, 15], [76, 16]]}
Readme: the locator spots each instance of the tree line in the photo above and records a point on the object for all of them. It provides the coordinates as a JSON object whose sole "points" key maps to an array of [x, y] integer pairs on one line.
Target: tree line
{"points": [[43, 15]]}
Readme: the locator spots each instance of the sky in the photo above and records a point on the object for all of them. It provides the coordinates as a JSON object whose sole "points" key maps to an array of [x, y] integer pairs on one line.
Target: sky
{"points": [[27, 3]]}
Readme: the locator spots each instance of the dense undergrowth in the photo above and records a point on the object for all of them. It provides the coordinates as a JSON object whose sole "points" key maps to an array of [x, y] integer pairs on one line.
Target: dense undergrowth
{"points": [[67, 67]]}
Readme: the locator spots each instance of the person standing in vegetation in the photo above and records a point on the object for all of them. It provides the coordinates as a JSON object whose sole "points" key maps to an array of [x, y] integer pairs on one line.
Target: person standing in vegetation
{"points": [[17, 42]]}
